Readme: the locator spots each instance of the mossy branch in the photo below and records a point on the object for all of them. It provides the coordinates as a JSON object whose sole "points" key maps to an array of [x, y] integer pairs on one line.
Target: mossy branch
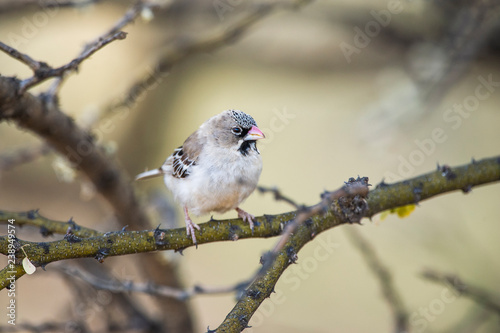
{"points": [[47, 226], [383, 197]]}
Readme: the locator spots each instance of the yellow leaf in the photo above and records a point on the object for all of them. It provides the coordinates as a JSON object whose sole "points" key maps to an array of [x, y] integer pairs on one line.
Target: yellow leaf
{"points": [[402, 211]]}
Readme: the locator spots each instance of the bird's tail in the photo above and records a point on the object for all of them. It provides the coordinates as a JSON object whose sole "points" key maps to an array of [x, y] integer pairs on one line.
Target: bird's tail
{"points": [[149, 174]]}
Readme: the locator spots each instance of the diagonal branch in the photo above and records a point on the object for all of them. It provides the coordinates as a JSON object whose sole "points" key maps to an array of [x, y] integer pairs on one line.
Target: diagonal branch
{"points": [[380, 199], [384, 276], [384, 197], [24, 58]]}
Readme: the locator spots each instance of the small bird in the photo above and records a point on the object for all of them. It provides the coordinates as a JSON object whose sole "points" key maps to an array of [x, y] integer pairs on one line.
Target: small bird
{"points": [[216, 168]]}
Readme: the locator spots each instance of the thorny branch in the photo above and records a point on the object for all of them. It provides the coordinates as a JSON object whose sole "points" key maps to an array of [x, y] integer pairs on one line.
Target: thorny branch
{"points": [[383, 197], [47, 226], [341, 211]]}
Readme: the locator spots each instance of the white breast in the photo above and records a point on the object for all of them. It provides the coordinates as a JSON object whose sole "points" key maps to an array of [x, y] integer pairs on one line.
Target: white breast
{"points": [[219, 181]]}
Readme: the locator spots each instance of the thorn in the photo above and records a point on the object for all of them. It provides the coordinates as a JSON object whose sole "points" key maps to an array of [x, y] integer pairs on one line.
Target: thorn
{"points": [[467, 189], [159, 236], [101, 255], [32, 214], [447, 172], [292, 255], [70, 237], [45, 232], [73, 225], [417, 191], [254, 294], [382, 183]]}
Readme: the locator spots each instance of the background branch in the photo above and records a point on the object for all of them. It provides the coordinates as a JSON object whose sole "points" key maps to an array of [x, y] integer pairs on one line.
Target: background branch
{"points": [[384, 278], [150, 288], [382, 198], [480, 296]]}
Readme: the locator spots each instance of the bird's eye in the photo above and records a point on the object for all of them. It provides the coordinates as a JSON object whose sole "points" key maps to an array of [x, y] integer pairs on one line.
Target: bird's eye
{"points": [[236, 130]]}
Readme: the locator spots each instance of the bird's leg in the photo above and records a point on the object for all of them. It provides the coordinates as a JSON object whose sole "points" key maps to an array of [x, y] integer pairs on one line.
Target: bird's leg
{"points": [[246, 217], [190, 226]]}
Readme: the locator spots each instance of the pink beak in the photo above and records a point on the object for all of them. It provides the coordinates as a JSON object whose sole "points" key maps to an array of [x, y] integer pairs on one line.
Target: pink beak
{"points": [[254, 134]]}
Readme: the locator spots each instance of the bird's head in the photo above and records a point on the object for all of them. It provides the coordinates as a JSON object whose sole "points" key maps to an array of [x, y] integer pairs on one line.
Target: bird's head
{"points": [[237, 130]]}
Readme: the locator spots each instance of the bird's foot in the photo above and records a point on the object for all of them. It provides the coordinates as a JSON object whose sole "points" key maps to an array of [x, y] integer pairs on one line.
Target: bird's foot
{"points": [[247, 217], [190, 226]]}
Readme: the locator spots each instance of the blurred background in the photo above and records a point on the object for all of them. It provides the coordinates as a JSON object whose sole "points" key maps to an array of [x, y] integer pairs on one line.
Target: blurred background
{"points": [[383, 89]]}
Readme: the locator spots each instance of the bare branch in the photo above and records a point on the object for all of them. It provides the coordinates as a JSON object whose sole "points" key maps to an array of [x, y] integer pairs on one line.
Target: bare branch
{"points": [[63, 71], [480, 296], [278, 196], [24, 58], [385, 279], [22, 155], [150, 288]]}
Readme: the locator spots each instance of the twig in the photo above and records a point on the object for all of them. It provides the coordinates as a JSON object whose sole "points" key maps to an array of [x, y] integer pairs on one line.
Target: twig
{"points": [[480, 296], [47, 226], [112, 34], [22, 155], [62, 71], [384, 277], [278, 196], [24, 58], [380, 199], [43, 71], [150, 288]]}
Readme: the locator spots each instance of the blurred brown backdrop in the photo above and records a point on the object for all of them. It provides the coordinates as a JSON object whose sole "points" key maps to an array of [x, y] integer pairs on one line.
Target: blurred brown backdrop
{"points": [[381, 89]]}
